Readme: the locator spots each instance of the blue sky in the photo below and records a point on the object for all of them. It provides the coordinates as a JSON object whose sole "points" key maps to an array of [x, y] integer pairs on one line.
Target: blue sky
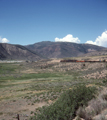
{"points": [[29, 21]]}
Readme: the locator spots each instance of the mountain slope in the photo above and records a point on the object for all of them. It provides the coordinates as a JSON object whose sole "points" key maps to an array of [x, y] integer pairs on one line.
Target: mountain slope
{"points": [[62, 49], [17, 52]]}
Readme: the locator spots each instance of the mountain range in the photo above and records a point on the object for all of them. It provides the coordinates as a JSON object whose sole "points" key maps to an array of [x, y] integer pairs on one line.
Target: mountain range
{"points": [[46, 49], [16, 52], [63, 49]]}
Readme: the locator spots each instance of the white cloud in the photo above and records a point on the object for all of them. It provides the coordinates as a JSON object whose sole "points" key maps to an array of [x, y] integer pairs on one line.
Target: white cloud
{"points": [[91, 42], [4, 40], [68, 38], [100, 40]]}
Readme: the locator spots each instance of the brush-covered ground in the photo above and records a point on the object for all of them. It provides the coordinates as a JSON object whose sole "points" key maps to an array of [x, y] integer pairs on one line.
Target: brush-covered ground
{"points": [[28, 86]]}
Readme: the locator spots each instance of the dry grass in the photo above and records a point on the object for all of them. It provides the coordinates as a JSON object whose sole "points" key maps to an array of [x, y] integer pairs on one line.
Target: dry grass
{"points": [[37, 88], [95, 107]]}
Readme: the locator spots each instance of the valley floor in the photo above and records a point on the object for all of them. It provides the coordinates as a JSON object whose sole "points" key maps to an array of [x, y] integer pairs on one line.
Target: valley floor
{"points": [[26, 86]]}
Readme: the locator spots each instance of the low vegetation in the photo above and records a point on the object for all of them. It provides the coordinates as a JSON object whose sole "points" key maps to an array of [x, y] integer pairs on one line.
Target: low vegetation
{"points": [[95, 108], [53, 90], [66, 106]]}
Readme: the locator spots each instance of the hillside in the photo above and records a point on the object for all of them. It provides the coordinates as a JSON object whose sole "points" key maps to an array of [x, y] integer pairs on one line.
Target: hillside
{"points": [[97, 53], [63, 49], [48, 49], [16, 52]]}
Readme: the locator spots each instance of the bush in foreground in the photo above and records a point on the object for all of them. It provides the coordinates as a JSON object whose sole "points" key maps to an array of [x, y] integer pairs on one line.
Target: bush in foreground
{"points": [[95, 108], [66, 106]]}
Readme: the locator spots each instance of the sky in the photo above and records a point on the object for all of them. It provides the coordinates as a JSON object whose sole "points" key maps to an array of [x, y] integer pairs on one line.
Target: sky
{"points": [[30, 21]]}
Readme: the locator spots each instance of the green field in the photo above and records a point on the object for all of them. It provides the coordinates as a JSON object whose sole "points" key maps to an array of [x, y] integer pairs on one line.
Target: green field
{"points": [[32, 85]]}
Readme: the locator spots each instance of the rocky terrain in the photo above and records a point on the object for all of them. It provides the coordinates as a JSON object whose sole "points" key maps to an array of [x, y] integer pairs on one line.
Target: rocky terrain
{"points": [[44, 50], [17, 52], [96, 53], [63, 49]]}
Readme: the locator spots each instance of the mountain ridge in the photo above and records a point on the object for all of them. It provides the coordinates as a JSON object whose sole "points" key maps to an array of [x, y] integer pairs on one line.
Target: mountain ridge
{"points": [[63, 49], [17, 52], [47, 49]]}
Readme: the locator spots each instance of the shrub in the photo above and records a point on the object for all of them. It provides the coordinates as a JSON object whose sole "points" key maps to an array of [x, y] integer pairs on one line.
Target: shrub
{"points": [[100, 117], [95, 107], [66, 106]]}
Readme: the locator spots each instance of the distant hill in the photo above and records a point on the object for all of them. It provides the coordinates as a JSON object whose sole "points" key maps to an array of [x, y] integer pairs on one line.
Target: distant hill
{"points": [[63, 49], [48, 49], [96, 53], [16, 52]]}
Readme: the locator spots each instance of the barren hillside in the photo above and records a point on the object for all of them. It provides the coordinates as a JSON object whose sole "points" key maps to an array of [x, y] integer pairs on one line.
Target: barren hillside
{"points": [[63, 49], [17, 52]]}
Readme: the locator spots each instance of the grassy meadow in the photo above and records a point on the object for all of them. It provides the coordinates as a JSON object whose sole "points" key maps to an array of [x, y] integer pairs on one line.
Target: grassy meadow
{"points": [[26, 87]]}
